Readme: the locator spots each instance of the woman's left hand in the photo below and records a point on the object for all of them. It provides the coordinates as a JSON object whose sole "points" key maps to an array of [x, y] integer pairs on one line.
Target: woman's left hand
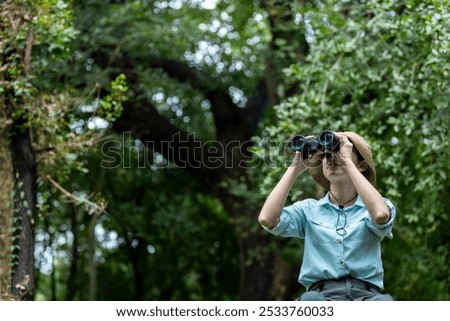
{"points": [[346, 148]]}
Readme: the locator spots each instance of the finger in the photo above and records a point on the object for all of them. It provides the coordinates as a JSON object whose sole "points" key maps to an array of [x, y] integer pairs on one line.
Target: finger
{"points": [[343, 138], [345, 141]]}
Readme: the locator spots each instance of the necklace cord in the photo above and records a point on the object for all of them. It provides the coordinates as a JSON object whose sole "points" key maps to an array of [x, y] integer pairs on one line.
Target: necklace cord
{"points": [[341, 230], [341, 205]]}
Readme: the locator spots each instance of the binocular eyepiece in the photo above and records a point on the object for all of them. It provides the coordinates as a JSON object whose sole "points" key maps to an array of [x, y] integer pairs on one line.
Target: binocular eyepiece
{"points": [[327, 140]]}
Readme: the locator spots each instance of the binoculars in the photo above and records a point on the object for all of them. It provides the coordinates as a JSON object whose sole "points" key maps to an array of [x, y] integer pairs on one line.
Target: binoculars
{"points": [[327, 140]]}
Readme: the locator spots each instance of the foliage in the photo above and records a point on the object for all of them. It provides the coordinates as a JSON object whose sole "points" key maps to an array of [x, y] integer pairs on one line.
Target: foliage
{"points": [[381, 69], [226, 45], [35, 35], [39, 28]]}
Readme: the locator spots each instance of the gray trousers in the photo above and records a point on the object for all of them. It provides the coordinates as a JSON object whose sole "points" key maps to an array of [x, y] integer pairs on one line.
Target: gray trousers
{"points": [[345, 289]]}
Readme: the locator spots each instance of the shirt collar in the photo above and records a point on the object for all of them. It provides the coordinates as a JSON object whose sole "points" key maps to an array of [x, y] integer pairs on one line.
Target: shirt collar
{"points": [[326, 201]]}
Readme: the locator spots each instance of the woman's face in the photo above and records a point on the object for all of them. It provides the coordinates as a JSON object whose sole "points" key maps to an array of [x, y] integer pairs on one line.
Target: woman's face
{"points": [[333, 166]]}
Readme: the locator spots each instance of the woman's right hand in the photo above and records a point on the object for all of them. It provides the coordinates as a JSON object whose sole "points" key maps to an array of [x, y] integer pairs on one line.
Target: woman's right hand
{"points": [[313, 160]]}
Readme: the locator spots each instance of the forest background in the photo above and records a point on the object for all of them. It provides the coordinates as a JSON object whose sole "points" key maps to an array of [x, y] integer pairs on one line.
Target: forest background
{"points": [[140, 138]]}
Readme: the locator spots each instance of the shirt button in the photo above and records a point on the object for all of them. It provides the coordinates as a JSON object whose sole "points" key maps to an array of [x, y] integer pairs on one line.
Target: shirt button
{"points": [[341, 262]]}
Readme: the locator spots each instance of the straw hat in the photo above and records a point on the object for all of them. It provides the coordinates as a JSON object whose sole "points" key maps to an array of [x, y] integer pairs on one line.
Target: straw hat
{"points": [[364, 150]]}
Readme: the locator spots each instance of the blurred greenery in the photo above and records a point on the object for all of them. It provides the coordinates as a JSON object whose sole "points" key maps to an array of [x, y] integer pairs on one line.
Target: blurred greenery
{"points": [[109, 81]]}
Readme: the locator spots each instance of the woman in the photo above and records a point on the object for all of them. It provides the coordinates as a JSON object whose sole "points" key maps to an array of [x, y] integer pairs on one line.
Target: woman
{"points": [[343, 230]]}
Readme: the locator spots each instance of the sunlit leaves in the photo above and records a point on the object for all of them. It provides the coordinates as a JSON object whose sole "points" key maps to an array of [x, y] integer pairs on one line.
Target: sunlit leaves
{"points": [[111, 105]]}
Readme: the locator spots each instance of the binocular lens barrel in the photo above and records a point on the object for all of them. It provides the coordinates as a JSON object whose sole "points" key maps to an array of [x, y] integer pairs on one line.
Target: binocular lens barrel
{"points": [[298, 142], [305, 145], [329, 140]]}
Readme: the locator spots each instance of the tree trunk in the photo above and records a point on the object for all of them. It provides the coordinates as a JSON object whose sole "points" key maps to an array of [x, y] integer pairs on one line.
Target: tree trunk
{"points": [[72, 287], [134, 253], [6, 215], [92, 245], [24, 165], [264, 273]]}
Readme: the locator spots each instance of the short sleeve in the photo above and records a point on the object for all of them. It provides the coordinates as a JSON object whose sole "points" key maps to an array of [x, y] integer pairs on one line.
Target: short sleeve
{"points": [[291, 222], [383, 230]]}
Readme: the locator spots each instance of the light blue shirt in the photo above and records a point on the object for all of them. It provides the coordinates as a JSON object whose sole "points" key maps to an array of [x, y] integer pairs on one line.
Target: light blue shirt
{"points": [[328, 255]]}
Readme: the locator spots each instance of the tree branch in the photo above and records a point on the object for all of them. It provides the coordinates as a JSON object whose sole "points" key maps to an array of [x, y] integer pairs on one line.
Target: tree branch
{"points": [[184, 73], [98, 208], [232, 123]]}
